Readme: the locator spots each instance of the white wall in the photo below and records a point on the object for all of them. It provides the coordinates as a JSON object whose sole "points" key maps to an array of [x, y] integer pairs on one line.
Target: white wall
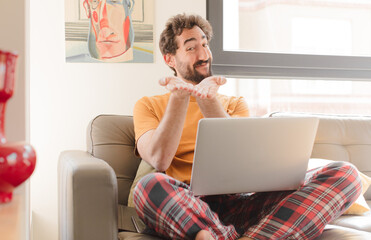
{"points": [[65, 97]]}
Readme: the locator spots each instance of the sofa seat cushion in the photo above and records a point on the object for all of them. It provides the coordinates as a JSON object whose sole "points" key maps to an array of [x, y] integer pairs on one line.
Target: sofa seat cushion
{"points": [[333, 232], [137, 236], [362, 223], [126, 226]]}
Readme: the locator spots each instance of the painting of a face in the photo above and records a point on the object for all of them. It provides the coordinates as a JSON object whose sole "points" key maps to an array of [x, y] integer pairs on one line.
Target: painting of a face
{"points": [[111, 32]]}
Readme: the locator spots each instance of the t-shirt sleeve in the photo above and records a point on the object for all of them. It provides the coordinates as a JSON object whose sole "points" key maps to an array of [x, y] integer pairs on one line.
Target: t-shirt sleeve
{"points": [[238, 107], [144, 118]]}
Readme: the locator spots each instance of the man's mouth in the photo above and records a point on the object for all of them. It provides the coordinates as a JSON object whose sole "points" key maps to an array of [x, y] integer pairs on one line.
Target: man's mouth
{"points": [[201, 64]]}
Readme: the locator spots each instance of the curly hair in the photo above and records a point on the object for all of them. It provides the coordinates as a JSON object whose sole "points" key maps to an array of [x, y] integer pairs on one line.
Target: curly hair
{"points": [[175, 26]]}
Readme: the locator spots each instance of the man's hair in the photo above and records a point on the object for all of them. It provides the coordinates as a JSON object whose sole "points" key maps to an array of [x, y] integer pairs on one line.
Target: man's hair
{"points": [[175, 26]]}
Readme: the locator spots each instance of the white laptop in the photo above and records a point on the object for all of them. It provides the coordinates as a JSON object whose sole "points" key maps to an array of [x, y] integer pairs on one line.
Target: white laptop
{"points": [[241, 155]]}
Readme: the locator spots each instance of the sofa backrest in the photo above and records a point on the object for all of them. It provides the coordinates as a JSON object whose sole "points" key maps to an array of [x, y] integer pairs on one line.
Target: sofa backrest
{"points": [[111, 138], [342, 138]]}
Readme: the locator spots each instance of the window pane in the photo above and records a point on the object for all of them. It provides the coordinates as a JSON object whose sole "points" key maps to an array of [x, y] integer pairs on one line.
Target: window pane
{"points": [[314, 96], [324, 27]]}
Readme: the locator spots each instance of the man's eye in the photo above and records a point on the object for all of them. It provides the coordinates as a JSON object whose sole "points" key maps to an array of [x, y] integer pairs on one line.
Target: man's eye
{"points": [[190, 48]]}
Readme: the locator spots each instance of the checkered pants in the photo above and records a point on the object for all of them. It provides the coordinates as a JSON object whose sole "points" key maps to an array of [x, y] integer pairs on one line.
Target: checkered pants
{"points": [[171, 210]]}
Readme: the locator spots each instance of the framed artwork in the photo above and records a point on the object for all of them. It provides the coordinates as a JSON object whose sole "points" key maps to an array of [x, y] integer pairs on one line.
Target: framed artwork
{"points": [[111, 31]]}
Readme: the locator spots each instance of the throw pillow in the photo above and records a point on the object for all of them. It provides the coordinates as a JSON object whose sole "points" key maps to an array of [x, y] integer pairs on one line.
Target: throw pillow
{"points": [[360, 206], [143, 169]]}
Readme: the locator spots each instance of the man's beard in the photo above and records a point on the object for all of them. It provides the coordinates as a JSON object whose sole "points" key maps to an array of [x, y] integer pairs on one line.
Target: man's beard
{"points": [[193, 75]]}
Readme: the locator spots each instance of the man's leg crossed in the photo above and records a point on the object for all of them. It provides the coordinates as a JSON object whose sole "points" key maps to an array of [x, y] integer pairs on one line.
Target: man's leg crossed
{"points": [[169, 208], [325, 195]]}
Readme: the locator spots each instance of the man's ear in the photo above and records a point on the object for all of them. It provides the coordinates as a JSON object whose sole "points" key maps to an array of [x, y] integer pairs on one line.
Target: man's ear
{"points": [[170, 60]]}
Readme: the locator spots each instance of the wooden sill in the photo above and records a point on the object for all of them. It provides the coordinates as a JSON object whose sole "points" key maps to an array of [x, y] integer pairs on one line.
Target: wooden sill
{"points": [[10, 219]]}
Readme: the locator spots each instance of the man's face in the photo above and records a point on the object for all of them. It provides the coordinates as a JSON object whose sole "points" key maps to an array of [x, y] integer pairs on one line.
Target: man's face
{"points": [[193, 57], [110, 29]]}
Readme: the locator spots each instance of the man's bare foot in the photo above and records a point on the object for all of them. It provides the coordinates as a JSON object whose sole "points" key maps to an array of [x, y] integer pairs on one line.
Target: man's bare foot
{"points": [[204, 235]]}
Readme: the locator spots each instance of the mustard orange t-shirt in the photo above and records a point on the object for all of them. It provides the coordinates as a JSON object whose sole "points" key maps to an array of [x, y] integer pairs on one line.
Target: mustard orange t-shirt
{"points": [[148, 112]]}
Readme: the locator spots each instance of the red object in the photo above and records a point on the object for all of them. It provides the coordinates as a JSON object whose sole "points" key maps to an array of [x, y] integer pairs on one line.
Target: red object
{"points": [[18, 159]]}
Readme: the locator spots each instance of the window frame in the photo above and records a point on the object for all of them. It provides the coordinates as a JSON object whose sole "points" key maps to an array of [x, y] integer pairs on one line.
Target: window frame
{"points": [[244, 64]]}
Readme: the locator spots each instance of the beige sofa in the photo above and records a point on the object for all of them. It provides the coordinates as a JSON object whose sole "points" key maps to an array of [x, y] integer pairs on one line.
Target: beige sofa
{"points": [[94, 185]]}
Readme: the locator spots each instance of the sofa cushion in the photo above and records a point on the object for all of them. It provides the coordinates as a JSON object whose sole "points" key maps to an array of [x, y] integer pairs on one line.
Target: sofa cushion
{"points": [[360, 206], [143, 169], [125, 215]]}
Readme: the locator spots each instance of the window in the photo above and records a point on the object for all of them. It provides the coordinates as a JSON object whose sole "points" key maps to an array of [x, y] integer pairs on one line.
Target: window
{"points": [[264, 96], [275, 38], [294, 55]]}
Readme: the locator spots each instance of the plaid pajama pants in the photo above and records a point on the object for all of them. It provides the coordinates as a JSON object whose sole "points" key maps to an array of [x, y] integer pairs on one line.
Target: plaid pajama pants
{"points": [[171, 210]]}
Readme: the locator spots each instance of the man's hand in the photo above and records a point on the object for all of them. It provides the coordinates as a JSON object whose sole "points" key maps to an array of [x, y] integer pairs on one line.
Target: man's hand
{"points": [[177, 86], [208, 88]]}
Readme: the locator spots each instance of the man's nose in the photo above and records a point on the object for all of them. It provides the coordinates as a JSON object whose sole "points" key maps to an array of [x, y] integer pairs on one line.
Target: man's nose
{"points": [[203, 54], [103, 23]]}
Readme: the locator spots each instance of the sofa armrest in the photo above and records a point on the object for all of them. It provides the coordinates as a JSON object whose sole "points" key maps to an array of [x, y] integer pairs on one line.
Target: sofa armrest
{"points": [[87, 198]]}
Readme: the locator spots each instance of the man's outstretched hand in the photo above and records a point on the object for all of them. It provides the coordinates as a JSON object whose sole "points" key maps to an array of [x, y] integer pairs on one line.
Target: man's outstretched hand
{"points": [[177, 86], [208, 88]]}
